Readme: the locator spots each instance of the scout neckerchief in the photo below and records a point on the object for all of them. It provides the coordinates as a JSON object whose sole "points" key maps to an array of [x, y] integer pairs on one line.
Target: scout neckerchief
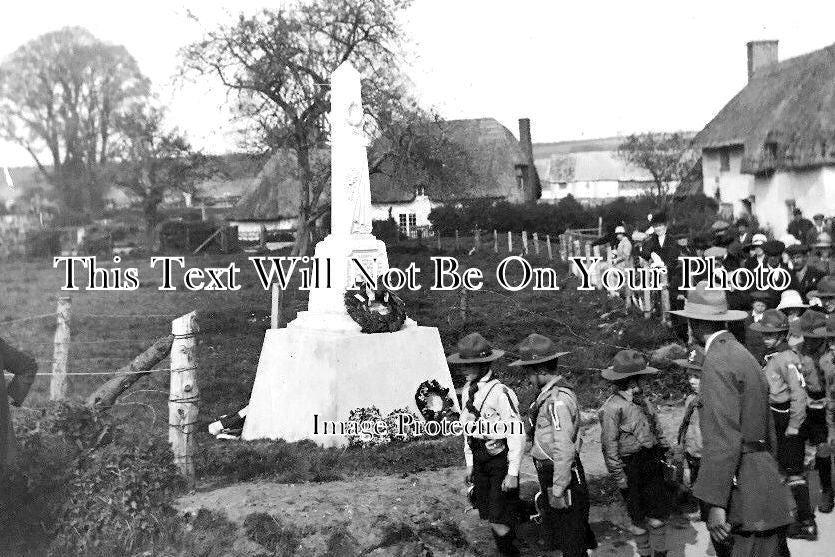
{"points": [[688, 415], [474, 387]]}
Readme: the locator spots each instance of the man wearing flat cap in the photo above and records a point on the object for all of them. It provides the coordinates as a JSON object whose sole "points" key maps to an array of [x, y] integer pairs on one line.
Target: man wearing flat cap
{"points": [[739, 479], [554, 418], [493, 458], [800, 226]]}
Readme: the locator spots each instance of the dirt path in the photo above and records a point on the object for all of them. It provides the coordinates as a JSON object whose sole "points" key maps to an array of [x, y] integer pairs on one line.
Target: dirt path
{"points": [[338, 518]]}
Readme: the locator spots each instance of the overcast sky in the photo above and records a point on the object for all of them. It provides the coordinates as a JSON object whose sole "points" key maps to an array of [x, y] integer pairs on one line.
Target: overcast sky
{"points": [[577, 69]]}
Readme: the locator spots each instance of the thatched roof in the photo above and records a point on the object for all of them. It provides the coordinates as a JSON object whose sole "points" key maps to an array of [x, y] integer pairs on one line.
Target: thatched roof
{"points": [[784, 117], [274, 193], [493, 154]]}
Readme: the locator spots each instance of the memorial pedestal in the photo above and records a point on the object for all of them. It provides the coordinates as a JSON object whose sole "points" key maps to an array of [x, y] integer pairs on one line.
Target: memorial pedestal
{"points": [[305, 372]]}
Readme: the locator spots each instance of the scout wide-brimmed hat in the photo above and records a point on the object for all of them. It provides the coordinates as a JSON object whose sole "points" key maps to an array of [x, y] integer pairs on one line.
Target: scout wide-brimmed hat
{"points": [[474, 349], [708, 305], [620, 230], [773, 321], [695, 360], [790, 299], [812, 324], [536, 349], [627, 363], [825, 289], [756, 240]]}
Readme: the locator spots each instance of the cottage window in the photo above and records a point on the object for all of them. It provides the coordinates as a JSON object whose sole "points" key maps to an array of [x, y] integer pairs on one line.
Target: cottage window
{"points": [[412, 221], [402, 223], [563, 185], [724, 160]]}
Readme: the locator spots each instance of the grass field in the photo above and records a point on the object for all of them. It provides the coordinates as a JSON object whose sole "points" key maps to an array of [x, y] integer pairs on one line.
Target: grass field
{"points": [[109, 328]]}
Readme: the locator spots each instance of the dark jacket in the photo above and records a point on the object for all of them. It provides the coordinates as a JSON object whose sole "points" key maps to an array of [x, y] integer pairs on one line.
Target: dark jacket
{"points": [[24, 369], [809, 281], [800, 228], [668, 253], [736, 425]]}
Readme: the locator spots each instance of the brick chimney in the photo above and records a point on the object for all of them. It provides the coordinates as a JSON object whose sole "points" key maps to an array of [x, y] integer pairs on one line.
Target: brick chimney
{"points": [[529, 176], [761, 54]]}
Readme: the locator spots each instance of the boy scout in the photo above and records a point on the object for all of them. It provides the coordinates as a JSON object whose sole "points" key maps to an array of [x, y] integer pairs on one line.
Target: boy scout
{"points": [[554, 435], [492, 458], [823, 462], [689, 439], [787, 399], [633, 449], [824, 294], [738, 478], [812, 328]]}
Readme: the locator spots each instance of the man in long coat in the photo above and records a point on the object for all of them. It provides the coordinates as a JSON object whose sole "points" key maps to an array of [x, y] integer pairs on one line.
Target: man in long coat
{"points": [[739, 480], [24, 369]]}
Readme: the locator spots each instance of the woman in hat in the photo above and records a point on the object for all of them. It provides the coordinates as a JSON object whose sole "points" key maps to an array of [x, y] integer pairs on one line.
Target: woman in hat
{"points": [[493, 457], [756, 255], [791, 304], [787, 399], [633, 449], [554, 418], [809, 336]]}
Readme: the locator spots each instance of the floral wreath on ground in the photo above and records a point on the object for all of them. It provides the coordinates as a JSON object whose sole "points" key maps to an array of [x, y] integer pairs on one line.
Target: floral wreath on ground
{"points": [[372, 439], [434, 402], [376, 311]]}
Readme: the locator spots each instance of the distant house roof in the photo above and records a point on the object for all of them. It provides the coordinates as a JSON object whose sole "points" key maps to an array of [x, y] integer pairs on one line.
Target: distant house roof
{"points": [[784, 116], [274, 193], [494, 155], [588, 166]]}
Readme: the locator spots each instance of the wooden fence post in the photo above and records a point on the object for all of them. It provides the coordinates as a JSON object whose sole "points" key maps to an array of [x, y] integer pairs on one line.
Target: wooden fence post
{"points": [[509, 241], [536, 243], [548, 245], [575, 252], [665, 305], [563, 246], [274, 307], [596, 274], [477, 239], [438, 236], [60, 351], [457, 241], [495, 241], [525, 242], [463, 303], [184, 396], [599, 226]]}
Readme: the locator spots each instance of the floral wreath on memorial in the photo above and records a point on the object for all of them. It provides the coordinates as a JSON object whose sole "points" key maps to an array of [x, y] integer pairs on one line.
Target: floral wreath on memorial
{"points": [[376, 311], [434, 402]]}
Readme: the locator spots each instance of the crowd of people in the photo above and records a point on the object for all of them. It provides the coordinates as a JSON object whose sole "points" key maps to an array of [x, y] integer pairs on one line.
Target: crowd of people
{"points": [[760, 418]]}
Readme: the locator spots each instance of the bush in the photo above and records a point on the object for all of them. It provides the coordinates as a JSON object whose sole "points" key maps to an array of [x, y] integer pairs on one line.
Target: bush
{"points": [[43, 243], [385, 230]]}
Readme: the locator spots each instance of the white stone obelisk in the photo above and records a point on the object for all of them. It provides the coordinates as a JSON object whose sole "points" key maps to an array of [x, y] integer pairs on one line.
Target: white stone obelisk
{"points": [[350, 236], [321, 366]]}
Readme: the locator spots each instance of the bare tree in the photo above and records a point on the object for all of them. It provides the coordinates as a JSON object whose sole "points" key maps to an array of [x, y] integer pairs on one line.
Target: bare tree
{"points": [[152, 161], [59, 95], [278, 62], [668, 157]]}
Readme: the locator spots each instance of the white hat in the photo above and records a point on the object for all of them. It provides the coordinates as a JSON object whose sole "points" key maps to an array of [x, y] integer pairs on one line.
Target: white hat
{"points": [[620, 230], [758, 239], [789, 240], [638, 236], [791, 299]]}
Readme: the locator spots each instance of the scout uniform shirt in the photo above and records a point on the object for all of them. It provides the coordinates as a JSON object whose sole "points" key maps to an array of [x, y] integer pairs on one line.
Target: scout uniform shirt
{"points": [[625, 429], [555, 427], [496, 403], [690, 433], [786, 384], [827, 366]]}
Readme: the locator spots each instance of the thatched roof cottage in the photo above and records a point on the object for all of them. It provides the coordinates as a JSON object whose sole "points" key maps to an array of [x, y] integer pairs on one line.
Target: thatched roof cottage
{"points": [[502, 169], [772, 147]]}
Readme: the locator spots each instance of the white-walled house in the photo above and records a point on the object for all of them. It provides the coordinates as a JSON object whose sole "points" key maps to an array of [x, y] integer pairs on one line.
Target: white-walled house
{"points": [[502, 169], [771, 149]]}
